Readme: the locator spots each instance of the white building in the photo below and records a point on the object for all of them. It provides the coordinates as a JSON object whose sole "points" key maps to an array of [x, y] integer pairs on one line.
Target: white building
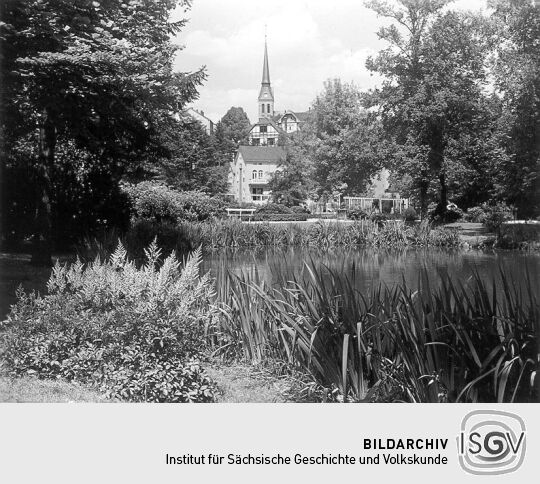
{"points": [[251, 172], [207, 123]]}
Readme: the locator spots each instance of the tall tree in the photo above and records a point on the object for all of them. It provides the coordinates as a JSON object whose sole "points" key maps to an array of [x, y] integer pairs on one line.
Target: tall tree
{"points": [[96, 72], [292, 183], [341, 139], [433, 89], [232, 130], [517, 75]]}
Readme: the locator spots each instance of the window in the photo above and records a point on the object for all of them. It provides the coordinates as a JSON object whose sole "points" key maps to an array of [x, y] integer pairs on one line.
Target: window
{"points": [[255, 141], [263, 108], [263, 129], [268, 108], [254, 174], [271, 142], [260, 173]]}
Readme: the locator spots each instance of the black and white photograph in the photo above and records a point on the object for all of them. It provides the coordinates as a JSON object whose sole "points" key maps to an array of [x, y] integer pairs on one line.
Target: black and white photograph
{"points": [[290, 201]]}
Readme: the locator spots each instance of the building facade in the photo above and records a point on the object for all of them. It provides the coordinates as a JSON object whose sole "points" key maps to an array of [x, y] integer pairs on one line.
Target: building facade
{"points": [[199, 116], [252, 170]]}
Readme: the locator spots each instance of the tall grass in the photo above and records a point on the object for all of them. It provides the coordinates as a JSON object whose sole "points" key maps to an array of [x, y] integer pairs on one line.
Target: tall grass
{"points": [[218, 234], [447, 341], [231, 233]]}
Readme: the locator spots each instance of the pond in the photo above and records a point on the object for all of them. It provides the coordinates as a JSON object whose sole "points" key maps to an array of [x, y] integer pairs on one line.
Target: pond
{"points": [[374, 266]]}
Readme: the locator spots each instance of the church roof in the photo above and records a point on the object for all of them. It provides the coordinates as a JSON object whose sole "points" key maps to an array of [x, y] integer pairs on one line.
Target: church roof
{"points": [[266, 69], [262, 154]]}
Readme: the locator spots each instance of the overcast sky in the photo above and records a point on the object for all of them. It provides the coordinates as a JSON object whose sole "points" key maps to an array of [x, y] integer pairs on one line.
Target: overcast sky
{"points": [[309, 41]]}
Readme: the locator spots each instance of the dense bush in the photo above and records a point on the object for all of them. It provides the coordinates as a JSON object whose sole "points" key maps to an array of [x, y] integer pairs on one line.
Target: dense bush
{"points": [[159, 203], [357, 214], [300, 209], [280, 217], [495, 215], [475, 214], [135, 334], [379, 218], [273, 208], [452, 214], [410, 214]]}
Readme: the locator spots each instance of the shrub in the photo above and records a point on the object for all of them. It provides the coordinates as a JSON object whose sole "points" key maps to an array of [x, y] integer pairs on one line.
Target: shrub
{"points": [[135, 334], [280, 217], [379, 218], [273, 208], [475, 214], [452, 214], [357, 214], [410, 214], [300, 209], [159, 203], [495, 215]]}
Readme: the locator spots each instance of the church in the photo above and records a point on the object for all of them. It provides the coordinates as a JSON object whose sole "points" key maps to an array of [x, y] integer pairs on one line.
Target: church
{"points": [[254, 165]]}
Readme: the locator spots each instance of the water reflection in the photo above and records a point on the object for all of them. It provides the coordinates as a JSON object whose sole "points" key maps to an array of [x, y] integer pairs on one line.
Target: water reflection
{"points": [[374, 266]]}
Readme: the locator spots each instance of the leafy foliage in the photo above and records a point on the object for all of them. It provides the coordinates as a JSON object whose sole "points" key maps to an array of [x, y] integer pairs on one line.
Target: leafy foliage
{"points": [[432, 95], [447, 342], [273, 208], [159, 203], [517, 77], [231, 131], [280, 217], [135, 334], [357, 214], [341, 141], [495, 215], [94, 75], [291, 184]]}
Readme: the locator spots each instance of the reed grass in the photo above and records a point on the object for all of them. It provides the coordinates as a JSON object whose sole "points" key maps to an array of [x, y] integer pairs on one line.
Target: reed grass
{"points": [[220, 234], [447, 341], [231, 233]]}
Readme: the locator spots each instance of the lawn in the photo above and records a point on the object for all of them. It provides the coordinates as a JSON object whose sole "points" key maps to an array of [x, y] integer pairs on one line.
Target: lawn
{"points": [[33, 390]]}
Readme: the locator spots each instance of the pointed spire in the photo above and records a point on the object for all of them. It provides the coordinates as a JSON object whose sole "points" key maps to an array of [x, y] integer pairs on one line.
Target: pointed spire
{"points": [[266, 69]]}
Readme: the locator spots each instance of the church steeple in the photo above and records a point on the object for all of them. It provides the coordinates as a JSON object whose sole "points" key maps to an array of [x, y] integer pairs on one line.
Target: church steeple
{"points": [[266, 95]]}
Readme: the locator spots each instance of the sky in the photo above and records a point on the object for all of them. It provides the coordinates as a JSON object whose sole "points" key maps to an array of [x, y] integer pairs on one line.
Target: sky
{"points": [[309, 41]]}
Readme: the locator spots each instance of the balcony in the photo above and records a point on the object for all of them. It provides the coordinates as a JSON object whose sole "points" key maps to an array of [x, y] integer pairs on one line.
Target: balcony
{"points": [[259, 181], [260, 198]]}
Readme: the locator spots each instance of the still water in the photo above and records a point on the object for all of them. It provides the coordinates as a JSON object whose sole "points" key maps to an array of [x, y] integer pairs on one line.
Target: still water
{"points": [[374, 266]]}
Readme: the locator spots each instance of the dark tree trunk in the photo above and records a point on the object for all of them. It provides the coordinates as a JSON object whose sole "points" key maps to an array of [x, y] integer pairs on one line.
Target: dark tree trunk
{"points": [[443, 203], [42, 240], [424, 187], [436, 163]]}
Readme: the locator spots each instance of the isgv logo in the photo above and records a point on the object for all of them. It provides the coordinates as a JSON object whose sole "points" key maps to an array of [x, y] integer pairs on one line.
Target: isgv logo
{"points": [[491, 442]]}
